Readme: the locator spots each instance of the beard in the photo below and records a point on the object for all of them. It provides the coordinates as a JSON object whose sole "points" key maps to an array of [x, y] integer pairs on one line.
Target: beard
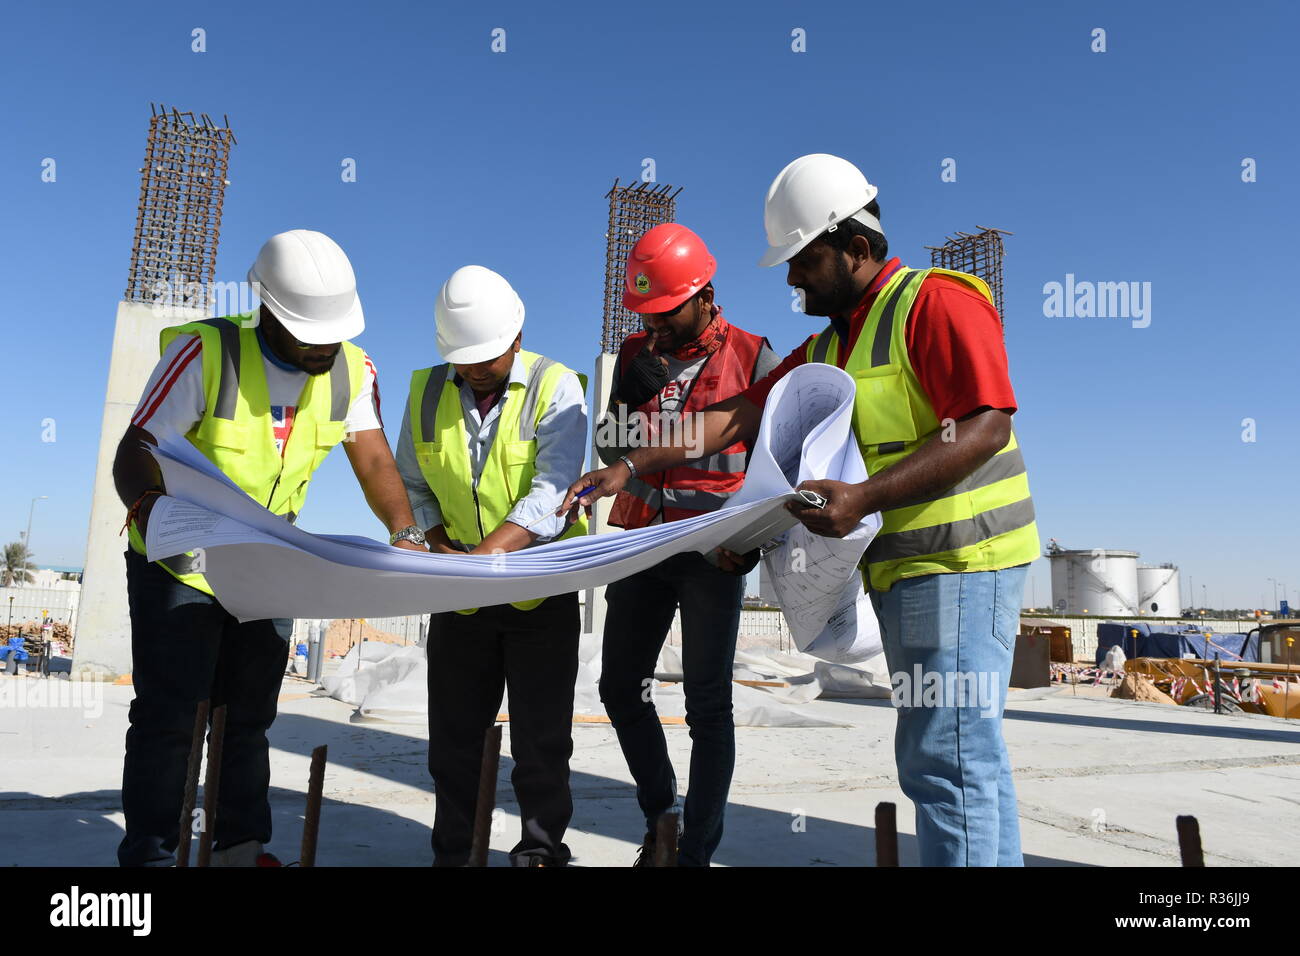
{"points": [[319, 366], [667, 342], [837, 298]]}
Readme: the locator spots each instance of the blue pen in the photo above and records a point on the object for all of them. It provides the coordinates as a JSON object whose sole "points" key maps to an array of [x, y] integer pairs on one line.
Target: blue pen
{"points": [[580, 495]]}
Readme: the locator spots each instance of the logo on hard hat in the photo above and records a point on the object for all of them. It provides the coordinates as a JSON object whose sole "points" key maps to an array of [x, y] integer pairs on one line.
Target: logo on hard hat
{"points": [[642, 283]]}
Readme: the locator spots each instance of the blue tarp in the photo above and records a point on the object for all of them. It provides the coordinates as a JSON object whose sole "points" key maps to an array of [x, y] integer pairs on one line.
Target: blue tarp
{"points": [[1151, 640]]}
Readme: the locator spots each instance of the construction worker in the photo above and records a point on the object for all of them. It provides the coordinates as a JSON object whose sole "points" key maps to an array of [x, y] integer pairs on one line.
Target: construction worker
{"points": [[688, 358], [264, 396], [490, 441], [933, 419]]}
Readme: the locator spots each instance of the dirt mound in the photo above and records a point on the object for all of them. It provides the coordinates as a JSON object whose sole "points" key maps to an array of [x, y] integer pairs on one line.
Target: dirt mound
{"points": [[343, 634], [1140, 687]]}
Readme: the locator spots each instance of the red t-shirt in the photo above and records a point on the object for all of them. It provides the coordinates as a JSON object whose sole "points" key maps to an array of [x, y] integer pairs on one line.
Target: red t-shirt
{"points": [[954, 340]]}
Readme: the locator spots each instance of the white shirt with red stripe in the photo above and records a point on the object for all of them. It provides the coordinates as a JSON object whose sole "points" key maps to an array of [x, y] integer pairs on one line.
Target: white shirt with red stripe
{"points": [[173, 401]]}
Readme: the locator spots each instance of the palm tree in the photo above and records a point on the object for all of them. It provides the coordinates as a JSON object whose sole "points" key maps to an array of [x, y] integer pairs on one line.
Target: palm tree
{"points": [[17, 564]]}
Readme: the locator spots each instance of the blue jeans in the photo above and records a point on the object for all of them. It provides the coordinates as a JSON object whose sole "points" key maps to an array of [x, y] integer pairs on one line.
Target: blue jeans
{"points": [[949, 640], [639, 615]]}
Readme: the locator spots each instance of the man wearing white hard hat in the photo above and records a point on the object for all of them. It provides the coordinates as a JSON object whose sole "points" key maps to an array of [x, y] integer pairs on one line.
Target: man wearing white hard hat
{"points": [[933, 421], [490, 442], [264, 396]]}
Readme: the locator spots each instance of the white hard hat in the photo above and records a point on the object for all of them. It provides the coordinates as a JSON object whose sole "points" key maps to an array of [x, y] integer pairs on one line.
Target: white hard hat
{"points": [[809, 196], [478, 316], [307, 281]]}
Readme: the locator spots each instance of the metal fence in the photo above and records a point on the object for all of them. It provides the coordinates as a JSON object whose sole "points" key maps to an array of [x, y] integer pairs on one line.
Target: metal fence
{"points": [[769, 627], [765, 627], [1083, 630], [409, 630], [23, 604]]}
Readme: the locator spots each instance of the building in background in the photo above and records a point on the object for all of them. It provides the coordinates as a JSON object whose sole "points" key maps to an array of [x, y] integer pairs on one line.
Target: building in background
{"points": [[1102, 581]]}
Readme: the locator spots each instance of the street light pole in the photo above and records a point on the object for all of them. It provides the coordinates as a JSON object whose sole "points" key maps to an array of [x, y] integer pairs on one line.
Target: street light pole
{"points": [[30, 511]]}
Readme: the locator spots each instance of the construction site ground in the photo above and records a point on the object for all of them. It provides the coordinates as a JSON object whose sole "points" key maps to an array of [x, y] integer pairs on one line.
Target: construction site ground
{"points": [[1100, 782]]}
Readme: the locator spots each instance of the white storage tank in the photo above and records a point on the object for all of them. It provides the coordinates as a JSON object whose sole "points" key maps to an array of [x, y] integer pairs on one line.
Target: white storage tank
{"points": [[1158, 591], [1096, 581]]}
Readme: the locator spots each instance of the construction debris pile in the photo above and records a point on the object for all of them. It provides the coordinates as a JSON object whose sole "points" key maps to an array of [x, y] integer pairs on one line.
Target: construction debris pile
{"points": [[35, 636], [1191, 667]]}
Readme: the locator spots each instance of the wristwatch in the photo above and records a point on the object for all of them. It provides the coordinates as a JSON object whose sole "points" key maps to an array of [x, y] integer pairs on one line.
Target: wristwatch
{"points": [[630, 467], [409, 533]]}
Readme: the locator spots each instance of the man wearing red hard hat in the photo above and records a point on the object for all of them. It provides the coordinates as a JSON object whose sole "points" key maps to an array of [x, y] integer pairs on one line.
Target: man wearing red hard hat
{"points": [[933, 421], [688, 358]]}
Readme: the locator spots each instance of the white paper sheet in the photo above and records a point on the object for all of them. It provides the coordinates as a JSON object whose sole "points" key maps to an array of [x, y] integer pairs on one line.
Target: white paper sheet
{"points": [[261, 566], [806, 435]]}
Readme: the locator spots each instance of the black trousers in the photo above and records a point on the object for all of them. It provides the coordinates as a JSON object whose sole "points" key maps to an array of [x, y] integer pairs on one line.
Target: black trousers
{"points": [[639, 616], [186, 648], [472, 659]]}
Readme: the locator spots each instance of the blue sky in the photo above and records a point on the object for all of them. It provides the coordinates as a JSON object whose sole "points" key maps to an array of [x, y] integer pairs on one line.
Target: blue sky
{"points": [[1115, 166]]}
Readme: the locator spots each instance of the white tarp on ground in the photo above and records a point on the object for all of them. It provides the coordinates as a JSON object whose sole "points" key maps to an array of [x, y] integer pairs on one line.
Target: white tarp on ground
{"points": [[389, 683]]}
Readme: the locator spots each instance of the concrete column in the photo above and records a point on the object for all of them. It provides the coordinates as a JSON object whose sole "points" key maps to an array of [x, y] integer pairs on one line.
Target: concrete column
{"points": [[594, 615], [102, 649], [766, 591]]}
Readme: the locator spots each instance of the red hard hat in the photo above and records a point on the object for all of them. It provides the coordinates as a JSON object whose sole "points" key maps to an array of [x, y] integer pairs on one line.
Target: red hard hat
{"points": [[667, 266]]}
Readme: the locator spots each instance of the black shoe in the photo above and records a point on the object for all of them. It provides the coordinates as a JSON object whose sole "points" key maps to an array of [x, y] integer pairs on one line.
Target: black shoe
{"points": [[645, 855], [541, 858]]}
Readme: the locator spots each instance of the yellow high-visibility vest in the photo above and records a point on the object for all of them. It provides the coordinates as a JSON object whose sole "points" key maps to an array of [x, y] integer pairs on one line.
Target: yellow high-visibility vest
{"points": [[470, 510], [983, 523], [236, 431]]}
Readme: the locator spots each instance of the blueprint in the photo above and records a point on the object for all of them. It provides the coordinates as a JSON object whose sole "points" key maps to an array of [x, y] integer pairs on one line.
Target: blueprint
{"points": [[807, 434], [260, 566]]}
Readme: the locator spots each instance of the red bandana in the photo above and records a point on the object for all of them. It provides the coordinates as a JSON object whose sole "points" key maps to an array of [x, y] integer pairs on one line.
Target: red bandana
{"points": [[708, 341]]}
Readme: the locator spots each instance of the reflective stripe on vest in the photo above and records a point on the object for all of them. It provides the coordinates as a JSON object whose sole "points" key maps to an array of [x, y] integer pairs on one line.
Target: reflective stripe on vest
{"points": [[986, 521], [442, 375], [686, 499], [891, 295], [440, 436], [236, 433], [231, 363]]}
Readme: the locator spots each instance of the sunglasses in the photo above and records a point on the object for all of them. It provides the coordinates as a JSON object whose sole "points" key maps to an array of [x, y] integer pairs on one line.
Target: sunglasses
{"points": [[667, 315]]}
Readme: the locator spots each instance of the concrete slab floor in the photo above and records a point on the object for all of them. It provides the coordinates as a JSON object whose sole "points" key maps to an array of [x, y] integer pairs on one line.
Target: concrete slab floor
{"points": [[1100, 782]]}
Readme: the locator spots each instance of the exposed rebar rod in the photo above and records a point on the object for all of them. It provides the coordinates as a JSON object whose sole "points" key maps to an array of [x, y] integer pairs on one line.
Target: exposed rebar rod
{"points": [[886, 834], [311, 822], [212, 786], [1189, 841], [192, 784], [178, 220], [633, 211], [979, 254], [487, 797]]}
